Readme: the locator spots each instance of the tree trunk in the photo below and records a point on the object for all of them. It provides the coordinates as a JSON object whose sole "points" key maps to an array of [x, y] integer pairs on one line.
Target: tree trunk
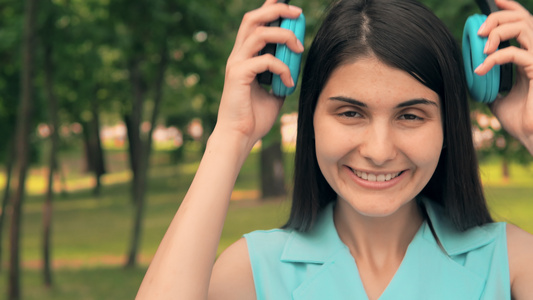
{"points": [[131, 132], [9, 168], [505, 169], [22, 146], [140, 177], [95, 143], [272, 174], [92, 147], [136, 160], [89, 157], [272, 171], [52, 166], [133, 125]]}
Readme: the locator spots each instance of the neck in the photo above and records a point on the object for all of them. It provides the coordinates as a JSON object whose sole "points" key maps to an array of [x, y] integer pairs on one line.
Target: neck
{"points": [[378, 239]]}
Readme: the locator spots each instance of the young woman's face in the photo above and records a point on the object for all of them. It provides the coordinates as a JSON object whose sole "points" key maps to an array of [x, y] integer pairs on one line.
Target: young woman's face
{"points": [[378, 135]]}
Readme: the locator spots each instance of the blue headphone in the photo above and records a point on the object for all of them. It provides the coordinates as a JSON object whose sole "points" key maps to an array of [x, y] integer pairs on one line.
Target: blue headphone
{"points": [[484, 88], [283, 53]]}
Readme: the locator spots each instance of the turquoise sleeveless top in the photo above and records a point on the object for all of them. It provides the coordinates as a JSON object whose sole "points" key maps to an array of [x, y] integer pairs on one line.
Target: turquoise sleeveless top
{"points": [[287, 264]]}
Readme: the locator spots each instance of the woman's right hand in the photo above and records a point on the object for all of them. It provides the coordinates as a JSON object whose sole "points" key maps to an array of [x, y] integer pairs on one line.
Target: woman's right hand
{"points": [[247, 109]]}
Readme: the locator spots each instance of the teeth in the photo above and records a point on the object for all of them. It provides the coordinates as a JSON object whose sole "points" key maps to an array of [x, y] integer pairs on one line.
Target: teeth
{"points": [[374, 177]]}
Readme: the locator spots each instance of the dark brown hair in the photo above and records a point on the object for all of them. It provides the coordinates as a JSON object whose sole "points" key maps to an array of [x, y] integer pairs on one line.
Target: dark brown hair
{"points": [[406, 35]]}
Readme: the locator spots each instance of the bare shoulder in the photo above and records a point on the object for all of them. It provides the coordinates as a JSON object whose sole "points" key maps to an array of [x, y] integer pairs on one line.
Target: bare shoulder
{"points": [[520, 245], [232, 276]]}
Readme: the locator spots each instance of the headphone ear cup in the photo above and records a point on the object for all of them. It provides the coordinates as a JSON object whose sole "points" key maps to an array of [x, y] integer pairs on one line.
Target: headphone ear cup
{"points": [[482, 88], [287, 56]]}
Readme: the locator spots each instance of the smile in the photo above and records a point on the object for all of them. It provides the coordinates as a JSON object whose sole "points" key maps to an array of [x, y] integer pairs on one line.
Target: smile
{"points": [[376, 177]]}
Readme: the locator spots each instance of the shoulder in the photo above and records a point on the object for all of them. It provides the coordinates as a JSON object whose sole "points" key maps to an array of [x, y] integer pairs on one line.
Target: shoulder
{"points": [[519, 245], [232, 274], [267, 240]]}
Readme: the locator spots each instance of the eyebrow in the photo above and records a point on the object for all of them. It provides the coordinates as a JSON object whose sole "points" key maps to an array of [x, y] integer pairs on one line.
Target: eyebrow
{"points": [[349, 100], [407, 103]]}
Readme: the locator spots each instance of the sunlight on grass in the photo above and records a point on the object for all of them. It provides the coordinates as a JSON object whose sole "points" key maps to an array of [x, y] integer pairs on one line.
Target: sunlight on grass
{"points": [[520, 176]]}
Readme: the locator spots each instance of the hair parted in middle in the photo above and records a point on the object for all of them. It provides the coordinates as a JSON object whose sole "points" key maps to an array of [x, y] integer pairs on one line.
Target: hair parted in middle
{"points": [[405, 35]]}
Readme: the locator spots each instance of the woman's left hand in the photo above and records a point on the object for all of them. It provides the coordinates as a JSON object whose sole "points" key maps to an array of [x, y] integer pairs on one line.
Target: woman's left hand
{"points": [[515, 110]]}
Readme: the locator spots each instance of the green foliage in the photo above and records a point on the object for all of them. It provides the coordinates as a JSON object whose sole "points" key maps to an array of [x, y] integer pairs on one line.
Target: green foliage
{"points": [[10, 23]]}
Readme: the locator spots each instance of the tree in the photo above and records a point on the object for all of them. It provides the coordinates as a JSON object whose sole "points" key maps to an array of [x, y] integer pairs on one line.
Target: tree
{"points": [[144, 27], [10, 19], [22, 145], [79, 34], [54, 140]]}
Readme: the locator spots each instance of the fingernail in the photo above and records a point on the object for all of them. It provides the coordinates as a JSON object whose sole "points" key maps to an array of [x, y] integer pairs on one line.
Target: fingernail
{"points": [[481, 28], [486, 47], [292, 82], [295, 8], [300, 46], [478, 67]]}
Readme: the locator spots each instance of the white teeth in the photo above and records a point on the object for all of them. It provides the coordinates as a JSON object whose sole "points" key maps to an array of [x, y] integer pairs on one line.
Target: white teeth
{"points": [[374, 177]]}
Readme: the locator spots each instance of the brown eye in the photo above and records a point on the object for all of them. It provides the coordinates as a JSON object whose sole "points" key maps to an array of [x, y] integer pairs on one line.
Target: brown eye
{"points": [[349, 114], [410, 117]]}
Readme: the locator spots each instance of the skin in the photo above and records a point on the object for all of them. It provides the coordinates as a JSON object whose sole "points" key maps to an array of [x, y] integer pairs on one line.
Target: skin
{"points": [[379, 120], [184, 268]]}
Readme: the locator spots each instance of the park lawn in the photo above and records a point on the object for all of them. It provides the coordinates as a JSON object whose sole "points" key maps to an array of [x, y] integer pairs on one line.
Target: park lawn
{"points": [[91, 235]]}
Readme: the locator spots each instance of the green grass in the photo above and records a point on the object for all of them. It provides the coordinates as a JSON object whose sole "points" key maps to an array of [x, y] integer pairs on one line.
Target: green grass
{"points": [[91, 235]]}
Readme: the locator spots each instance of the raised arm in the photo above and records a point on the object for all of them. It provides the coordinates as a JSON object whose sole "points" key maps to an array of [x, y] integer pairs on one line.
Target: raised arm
{"points": [[183, 263], [515, 110]]}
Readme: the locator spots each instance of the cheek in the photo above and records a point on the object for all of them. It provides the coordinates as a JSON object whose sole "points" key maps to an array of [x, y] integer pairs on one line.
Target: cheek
{"points": [[331, 143], [425, 149], [328, 147]]}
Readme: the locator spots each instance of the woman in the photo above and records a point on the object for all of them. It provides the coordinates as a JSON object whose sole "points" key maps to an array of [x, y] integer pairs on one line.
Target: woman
{"points": [[387, 199]]}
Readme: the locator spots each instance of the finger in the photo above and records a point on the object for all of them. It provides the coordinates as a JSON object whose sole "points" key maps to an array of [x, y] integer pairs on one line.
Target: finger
{"points": [[264, 35], [511, 54], [522, 32], [259, 17], [247, 71], [496, 19]]}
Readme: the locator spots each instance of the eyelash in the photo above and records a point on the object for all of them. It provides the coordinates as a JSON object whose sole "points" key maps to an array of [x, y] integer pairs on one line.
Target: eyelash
{"points": [[354, 114], [411, 117], [350, 114]]}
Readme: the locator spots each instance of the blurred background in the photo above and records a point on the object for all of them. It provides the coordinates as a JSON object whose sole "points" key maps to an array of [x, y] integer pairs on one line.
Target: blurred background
{"points": [[105, 109]]}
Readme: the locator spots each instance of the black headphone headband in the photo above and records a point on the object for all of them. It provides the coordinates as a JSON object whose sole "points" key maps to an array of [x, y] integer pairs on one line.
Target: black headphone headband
{"points": [[487, 6]]}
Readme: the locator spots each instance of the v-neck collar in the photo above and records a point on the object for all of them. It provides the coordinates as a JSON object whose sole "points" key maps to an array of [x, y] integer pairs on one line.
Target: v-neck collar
{"points": [[423, 260]]}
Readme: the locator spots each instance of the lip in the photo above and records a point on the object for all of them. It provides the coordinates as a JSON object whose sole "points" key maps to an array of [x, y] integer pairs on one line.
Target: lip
{"points": [[375, 185]]}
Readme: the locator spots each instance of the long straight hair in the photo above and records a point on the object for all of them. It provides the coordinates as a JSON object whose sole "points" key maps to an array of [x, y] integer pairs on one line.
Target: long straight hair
{"points": [[405, 35]]}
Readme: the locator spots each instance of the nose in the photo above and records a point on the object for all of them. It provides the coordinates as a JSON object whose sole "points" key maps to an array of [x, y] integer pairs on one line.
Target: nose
{"points": [[378, 146]]}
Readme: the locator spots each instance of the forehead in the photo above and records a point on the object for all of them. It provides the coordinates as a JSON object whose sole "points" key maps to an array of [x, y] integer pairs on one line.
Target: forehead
{"points": [[375, 83]]}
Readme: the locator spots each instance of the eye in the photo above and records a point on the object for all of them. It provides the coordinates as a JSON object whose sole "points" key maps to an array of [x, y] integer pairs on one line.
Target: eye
{"points": [[350, 114], [411, 117]]}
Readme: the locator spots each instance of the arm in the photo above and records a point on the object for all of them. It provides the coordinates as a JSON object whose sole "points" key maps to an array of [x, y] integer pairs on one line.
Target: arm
{"points": [[515, 113], [515, 110], [182, 266], [519, 245]]}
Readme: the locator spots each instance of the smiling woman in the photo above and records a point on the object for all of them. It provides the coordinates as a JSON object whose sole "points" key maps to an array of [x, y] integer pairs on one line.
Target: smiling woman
{"points": [[386, 189]]}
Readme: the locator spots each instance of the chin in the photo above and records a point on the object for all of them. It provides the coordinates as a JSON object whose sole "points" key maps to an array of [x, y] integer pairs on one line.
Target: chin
{"points": [[377, 208]]}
